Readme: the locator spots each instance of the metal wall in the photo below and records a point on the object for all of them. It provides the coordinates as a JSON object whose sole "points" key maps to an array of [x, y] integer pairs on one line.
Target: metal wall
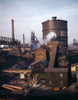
{"points": [[57, 26], [53, 79]]}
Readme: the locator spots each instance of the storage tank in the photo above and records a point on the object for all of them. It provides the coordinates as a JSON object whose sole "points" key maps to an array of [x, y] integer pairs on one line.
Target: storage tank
{"points": [[57, 26]]}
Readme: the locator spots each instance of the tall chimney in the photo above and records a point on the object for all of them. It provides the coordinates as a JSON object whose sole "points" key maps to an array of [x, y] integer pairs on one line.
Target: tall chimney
{"points": [[23, 42], [23, 39], [12, 23]]}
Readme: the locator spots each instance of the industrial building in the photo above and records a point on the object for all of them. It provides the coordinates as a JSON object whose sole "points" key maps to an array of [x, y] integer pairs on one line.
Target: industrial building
{"points": [[55, 53], [56, 75], [34, 41], [51, 59]]}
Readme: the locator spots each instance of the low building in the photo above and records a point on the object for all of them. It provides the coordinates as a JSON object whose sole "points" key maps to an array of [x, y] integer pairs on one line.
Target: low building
{"points": [[74, 70]]}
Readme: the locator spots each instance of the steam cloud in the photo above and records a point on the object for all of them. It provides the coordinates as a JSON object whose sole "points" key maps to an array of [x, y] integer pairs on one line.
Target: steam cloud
{"points": [[48, 37]]}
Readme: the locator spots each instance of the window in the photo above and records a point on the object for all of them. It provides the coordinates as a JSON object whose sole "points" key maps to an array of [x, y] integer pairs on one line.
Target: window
{"points": [[61, 82], [61, 75], [63, 33], [41, 76], [50, 82], [73, 68]]}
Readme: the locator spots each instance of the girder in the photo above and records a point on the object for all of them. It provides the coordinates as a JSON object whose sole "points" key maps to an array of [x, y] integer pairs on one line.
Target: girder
{"points": [[8, 41]]}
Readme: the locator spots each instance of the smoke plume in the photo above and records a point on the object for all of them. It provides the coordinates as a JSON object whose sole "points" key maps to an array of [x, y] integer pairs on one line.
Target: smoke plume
{"points": [[48, 37]]}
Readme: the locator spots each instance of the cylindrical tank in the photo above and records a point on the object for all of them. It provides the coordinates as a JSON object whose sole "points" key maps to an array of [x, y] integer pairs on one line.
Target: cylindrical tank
{"points": [[57, 26]]}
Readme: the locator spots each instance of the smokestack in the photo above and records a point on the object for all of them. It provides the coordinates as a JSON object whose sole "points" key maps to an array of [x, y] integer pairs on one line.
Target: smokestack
{"points": [[12, 23], [23, 42], [23, 39]]}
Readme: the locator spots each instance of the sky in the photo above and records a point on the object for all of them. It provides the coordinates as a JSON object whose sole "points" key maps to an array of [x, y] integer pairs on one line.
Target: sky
{"points": [[28, 16]]}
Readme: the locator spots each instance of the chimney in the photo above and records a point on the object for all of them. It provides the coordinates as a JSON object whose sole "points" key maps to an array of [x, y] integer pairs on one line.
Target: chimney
{"points": [[23, 42], [23, 39], [12, 23]]}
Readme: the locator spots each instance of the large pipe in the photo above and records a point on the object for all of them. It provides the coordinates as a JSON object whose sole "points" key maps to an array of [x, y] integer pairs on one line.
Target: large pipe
{"points": [[12, 23]]}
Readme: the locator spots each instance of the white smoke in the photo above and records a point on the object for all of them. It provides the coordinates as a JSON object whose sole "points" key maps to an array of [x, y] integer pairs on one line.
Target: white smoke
{"points": [[48, 37]]}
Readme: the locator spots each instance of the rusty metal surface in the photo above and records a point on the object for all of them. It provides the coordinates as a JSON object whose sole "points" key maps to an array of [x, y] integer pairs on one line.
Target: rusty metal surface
{"points": [[57, 26], [53, 54]]}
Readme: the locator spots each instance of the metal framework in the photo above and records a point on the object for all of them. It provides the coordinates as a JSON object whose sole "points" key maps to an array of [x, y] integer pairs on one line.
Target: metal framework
{"points": [[8, 41], [33, 38]]}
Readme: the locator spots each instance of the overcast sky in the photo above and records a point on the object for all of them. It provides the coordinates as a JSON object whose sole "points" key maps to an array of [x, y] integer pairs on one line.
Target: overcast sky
{"points": [[28, 16]]}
